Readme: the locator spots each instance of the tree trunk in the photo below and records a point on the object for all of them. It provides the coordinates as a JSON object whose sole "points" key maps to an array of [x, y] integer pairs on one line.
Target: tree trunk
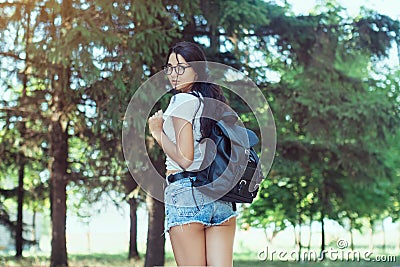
{"points": [[322, 235], [58, 135], [21, 157], [211, 11], [155, 236], [398, 49], [371, 236], [88, 237], [19, 229], [34, 229], [130, 185], [133, 251], [58, 195], [351, 235], [299, 240]]}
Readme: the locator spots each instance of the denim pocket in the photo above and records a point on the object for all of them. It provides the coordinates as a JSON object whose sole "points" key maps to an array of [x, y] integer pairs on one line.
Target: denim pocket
{"points": [[227, 203], [188, 201]]}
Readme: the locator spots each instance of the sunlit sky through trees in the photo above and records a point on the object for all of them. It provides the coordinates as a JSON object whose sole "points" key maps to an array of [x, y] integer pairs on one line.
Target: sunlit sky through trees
{"points": [[390, 8], [387, 7]]}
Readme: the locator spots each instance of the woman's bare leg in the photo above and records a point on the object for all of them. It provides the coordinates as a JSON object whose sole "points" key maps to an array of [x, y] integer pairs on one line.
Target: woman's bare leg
{"points": [[188, 244], [219, 243]]}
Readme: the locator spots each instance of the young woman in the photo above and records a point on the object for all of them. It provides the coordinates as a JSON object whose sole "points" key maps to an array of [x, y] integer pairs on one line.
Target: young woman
{"points": [[201, 230]]}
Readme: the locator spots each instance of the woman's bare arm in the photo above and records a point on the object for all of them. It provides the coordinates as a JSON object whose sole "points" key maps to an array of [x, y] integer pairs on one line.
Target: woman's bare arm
{"points": [[183, 151]]}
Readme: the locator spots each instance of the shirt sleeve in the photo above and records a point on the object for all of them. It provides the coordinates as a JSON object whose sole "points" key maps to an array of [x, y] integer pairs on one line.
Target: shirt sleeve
{"points": [[183, 106]]}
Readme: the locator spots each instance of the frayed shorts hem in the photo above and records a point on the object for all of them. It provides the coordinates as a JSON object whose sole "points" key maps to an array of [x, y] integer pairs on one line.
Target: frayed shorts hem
{"points": [[206, 225]]}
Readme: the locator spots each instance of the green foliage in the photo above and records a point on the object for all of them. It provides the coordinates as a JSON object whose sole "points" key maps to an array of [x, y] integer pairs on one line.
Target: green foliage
{"points": [[335, 123], [243, 16], [78, 64]]}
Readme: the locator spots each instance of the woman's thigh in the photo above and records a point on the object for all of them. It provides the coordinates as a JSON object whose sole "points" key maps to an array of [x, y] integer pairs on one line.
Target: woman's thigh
{"points": [[219, 243], [188, 244]]}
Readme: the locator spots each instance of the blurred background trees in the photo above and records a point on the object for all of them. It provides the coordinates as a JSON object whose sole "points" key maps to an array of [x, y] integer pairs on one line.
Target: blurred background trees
{"points": [[69, 68]]}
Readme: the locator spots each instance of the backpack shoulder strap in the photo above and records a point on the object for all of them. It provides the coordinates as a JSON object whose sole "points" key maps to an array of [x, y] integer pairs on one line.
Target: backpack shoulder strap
{"points": [[196, 94], [230, 117]]}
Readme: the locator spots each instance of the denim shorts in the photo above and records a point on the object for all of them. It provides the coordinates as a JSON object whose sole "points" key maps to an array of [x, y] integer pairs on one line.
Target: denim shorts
{"points": [[186, 204]]}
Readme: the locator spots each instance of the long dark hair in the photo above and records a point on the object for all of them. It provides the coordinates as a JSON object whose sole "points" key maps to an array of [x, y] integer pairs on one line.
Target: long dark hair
{"points": [[192, 52]]}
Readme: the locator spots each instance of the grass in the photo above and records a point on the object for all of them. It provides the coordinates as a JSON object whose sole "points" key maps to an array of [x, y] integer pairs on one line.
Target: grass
{"points": [[81, 260], [120, 260]]}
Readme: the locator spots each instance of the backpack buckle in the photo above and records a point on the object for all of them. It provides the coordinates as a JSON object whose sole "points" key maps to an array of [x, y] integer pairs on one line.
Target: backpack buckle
{"points": [[241, 184]]}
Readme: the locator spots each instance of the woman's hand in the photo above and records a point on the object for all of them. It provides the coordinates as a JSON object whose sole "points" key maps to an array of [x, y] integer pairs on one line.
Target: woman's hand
{"points": [[155, 124]]}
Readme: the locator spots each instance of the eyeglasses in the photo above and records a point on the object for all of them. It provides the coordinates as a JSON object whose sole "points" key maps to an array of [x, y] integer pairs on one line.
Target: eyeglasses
{"points": [[179, 69]]}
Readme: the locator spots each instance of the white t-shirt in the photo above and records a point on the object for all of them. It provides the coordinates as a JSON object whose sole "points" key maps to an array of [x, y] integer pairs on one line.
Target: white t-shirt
{"points": [[184, 106]]}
